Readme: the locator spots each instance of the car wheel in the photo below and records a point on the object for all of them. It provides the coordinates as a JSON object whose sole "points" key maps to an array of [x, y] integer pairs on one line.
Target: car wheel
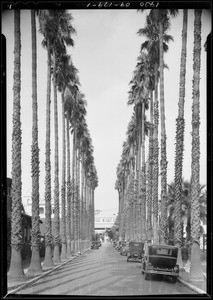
{"points": [[173, 279], [147, 276]]}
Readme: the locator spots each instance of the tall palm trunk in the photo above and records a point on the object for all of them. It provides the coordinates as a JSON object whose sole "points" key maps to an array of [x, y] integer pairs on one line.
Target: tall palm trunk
{"points": [[150, 173], [138, 177], [68, 190], [92, 213], [82, 204], [35, 264], [86, 210], [196, 268], [63, 188], [119, 214], [155, 161], [48, 262], [124, 226], [134, 206], [73, 216], [180, 126], [89, 213], [78, 198], [163, 163], [132, 198], [56, 253], [143, 173], [16, 269], [122, 232]]}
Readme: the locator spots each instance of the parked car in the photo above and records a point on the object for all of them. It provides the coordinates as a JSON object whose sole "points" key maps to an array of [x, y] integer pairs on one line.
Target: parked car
{"points": [[95, 245], [162, 260], [122, 246], [125, 249], [119, 246], [99, 243], [114, 244], [136, 251]]}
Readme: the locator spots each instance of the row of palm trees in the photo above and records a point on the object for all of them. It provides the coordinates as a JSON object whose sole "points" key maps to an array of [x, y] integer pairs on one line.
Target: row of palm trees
{"points": [[142, 215], [72, 228]]}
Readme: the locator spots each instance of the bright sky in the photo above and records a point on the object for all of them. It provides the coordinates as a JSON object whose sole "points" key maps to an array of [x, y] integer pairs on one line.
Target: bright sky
{"points": [[105, 53]]}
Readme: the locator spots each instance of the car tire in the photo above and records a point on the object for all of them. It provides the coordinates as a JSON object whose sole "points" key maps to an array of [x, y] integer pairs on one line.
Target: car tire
{"points": [[147, 276], [173, 279]]}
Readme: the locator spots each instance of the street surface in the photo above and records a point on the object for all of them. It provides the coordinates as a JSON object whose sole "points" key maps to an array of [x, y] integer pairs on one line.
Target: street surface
{"points": [[102, 272]]}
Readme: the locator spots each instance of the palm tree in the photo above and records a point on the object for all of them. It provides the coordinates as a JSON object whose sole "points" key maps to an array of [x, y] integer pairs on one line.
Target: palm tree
{"points": [[151, 45], [139, 96], [63, 33], [162, 17], [79, 112], [16, 269], [195, 267], [35, 264], [180, 126], [85, 144], [66, 80], [68, 187], [47, 25], [128, 163], [63, 188], [123, 170]]}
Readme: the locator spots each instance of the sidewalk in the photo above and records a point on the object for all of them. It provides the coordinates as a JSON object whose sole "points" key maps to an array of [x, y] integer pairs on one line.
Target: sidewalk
{"points": [[197, 285], [14, 285]]}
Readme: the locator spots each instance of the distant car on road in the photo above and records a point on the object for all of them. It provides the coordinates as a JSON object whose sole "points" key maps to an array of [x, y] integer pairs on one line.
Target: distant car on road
{"points": [[162, 260], [122, 246], [117, 245], [95, 245], [136, 251], [125, 249], [114, 244]]}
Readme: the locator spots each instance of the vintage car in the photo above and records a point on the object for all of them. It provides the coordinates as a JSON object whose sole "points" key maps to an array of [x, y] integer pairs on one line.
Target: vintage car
{"points": [[119, 247], [95, 245], [122, 246], [135, 252], [114, 244], [162, 260], [99, 243], [125, 249]]}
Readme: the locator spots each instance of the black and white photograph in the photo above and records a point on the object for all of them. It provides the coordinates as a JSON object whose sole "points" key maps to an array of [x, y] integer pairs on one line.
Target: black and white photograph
{"points": [[106, 134]]}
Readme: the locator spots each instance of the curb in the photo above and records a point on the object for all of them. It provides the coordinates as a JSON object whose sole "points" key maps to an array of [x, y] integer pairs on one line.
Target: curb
{"points": [[26, 284], [191, 286]]}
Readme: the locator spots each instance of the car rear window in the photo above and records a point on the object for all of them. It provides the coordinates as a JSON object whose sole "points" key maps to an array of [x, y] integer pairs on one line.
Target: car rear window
{"points": [[164, 251]]}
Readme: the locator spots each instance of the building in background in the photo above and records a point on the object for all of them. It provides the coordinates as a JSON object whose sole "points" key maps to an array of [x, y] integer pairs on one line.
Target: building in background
{"points": [[27, 202], [104, 219]]}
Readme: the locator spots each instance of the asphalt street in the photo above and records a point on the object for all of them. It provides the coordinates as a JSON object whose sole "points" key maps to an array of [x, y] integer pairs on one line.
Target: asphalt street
{"points": [[102, 272]]}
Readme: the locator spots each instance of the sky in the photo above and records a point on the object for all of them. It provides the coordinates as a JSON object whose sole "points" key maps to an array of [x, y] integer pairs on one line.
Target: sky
{"points": [[105, 53]]}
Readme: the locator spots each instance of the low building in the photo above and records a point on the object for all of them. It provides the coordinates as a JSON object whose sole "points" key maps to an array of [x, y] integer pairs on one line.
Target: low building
{"points": [[104, 219]]}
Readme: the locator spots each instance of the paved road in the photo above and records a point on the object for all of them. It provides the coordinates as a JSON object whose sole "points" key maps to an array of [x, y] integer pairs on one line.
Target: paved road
{"points": [[102, 272]]}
